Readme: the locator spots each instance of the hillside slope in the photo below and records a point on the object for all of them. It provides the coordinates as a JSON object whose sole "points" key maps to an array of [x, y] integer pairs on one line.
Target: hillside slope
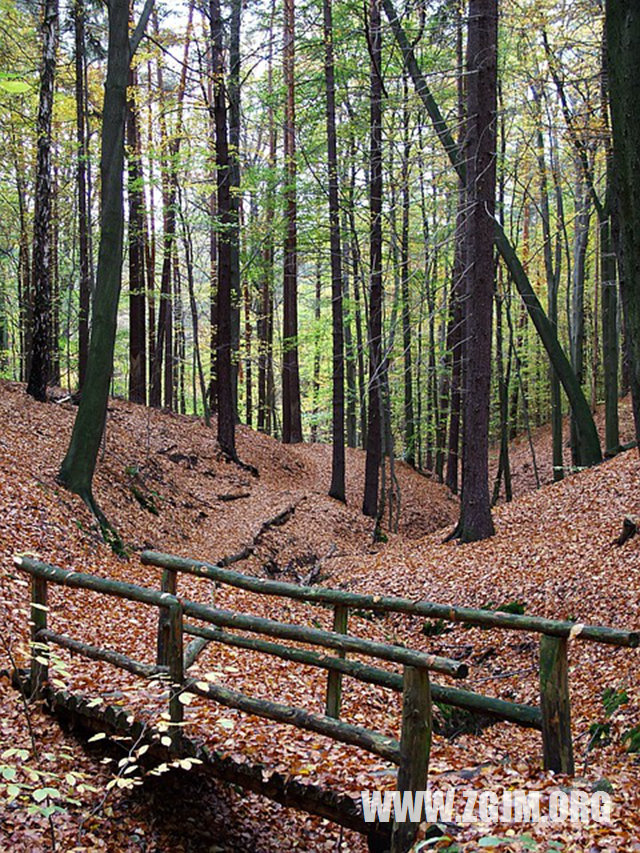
{"points": [[553, 552]]}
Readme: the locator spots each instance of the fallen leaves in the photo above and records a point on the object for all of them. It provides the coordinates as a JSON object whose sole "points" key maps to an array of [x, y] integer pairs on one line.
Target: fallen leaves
{"points": [[553, 551]]}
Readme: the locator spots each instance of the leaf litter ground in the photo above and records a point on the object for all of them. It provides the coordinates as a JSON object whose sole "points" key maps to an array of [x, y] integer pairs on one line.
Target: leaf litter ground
{"points": [[553, 553]]}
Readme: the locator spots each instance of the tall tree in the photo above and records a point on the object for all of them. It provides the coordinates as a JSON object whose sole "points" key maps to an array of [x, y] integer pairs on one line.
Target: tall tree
{"points": [[226, 409], [78, 466], [164, 349], [234, 178], [84, 220], [291, 413], [42, 278], [623, 49], [137, 300], [374, 424], [409, 417], [552, 270], [480, 157], [337, 487], [266, 408]]}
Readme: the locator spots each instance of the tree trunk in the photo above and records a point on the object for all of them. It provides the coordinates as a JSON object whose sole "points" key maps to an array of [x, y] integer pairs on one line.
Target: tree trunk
{"points": [[608, 285], [409, 417], [266, 413], [78, 466], [137, 300], [581, 239], [42, 303], [84, 223], [226, 409], [480, 156], [233, 94], [337, 487], [291, 414], [553, 281], [350, 354], [315, 411], [623, 46], [374, 426]]}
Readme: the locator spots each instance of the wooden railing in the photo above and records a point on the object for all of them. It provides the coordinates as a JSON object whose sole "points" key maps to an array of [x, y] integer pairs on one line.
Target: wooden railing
{"points": [[410, 753], [553, 717]]}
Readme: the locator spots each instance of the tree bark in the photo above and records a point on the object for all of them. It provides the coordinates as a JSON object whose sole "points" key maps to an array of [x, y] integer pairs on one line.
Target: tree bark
{"points": [[480, 156], [226, 409], [84, 222], [374, 425], [78, 466], [409, 417], [337, 487], [291, 413], [137, 300], [623, 47], [40, 363]]}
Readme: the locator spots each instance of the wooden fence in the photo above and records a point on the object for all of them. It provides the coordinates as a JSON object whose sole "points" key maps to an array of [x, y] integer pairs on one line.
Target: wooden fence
{"points": [[411, 753]]}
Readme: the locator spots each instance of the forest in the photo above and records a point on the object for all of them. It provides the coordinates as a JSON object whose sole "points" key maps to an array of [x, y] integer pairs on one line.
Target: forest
{"points": [[318, 321]]}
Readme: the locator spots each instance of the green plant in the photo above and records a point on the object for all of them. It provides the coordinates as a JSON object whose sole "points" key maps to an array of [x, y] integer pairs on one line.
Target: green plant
{"points": [[600, 731], [632, 739], [435, 627]]}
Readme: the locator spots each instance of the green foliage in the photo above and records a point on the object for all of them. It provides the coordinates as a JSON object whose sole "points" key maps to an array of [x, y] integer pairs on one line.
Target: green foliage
{"points": [[516, 607], [26, 782], [435, 627], [600, 731], [632, 739], [612, 699]]}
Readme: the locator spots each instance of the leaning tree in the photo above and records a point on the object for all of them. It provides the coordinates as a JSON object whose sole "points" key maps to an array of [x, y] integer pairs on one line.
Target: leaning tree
{"points": [[78, 466]]}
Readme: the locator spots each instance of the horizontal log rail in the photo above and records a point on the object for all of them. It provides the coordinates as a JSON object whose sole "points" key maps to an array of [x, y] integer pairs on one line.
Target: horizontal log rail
{"points": [[386, 747], [526, 716], [393, 604], [327, 639], [144, 670]]}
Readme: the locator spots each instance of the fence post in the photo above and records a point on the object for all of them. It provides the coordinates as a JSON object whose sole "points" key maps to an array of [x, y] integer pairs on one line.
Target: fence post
{"points": [[176, 670], [169, 585], [555, 705], [39, 649], [415, 745], [334, 679]]}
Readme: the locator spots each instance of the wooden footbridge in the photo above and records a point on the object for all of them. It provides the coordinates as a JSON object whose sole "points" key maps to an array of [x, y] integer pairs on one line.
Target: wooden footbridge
{"points": [[208, 624]]}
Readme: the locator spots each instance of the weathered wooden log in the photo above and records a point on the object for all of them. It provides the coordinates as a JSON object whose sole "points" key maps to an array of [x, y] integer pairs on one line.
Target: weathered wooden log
{"points": [[176, 670], [168, 585], [79, 580], [194, 649], [334, 680], [555, 705], [39, 648], [122, 661], [386, 747], [526, 716], [415, 746], [392, 604], [328, 639]]}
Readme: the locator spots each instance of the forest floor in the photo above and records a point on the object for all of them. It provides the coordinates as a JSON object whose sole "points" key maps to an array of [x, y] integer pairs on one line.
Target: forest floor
{"points": [[553, 553]]}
